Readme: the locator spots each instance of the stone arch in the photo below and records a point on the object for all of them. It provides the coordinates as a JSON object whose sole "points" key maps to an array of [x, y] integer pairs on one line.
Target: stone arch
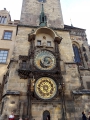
{"points": [[76, 43], [46, 31], [77, 52], [46, 115]]}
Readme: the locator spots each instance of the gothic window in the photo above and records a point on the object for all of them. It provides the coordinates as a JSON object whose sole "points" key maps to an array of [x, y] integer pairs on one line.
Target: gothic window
{"points": [[7, 35], [3, 56], [76, 54]]}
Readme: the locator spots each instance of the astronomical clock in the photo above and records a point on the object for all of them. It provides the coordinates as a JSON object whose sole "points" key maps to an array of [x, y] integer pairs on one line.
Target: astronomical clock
{"points": [[45, 87], [44, 60]]}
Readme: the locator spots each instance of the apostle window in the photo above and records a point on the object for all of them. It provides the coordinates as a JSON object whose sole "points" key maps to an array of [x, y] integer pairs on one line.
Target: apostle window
{"points": [[3, 56], [38, 42], [7, 35], [48, 43], [77, 58]]}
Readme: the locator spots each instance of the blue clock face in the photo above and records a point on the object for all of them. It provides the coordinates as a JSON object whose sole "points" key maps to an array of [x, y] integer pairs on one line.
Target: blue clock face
{"points": [[44, 60]]}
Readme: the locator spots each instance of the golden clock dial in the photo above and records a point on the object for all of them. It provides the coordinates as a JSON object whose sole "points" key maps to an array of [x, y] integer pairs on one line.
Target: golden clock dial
{"points": [[44, 60], [45, 88]]}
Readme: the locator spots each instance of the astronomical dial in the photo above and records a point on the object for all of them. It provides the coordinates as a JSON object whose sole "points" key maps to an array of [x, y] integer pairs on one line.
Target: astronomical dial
{"points": [[45, 88], [45, 60]]}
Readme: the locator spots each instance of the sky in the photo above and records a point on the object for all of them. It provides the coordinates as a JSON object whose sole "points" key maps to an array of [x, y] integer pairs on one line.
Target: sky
{"points": [[76, 12]]}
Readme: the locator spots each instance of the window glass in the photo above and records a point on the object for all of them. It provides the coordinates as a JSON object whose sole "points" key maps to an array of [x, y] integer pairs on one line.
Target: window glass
{"points": [[5, 19], [7, 35], [3, 56], [2, 20], [76, 54], [38, 42], [48, 43]]}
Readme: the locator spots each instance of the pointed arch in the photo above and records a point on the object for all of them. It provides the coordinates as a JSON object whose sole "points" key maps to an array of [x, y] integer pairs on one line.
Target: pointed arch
{"points": [[77, 53]]}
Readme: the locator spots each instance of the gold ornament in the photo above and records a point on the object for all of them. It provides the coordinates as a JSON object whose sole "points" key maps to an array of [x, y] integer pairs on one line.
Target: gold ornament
{"points": [[45, 88]]}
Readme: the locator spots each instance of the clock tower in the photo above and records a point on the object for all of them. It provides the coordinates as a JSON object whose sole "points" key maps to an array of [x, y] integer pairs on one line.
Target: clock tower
{"points": [[49, 68], [31, 10]]}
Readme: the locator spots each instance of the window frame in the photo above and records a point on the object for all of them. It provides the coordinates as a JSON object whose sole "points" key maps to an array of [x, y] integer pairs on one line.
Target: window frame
{"points": [[81, 63], [5, 56], [38, 41], [4, 34], [50, 43]]}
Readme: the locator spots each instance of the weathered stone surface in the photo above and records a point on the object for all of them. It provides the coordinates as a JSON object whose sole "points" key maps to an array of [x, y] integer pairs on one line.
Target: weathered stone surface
{"points": [[73, 97], [33, 13]]}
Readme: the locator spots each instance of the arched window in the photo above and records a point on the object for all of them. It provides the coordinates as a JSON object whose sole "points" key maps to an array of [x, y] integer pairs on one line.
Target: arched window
{"points": [[76, 54]]}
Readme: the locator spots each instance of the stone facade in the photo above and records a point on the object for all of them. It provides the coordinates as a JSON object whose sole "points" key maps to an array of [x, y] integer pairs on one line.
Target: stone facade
{"points": [[32, 10], [71, 77], [6, 25]]}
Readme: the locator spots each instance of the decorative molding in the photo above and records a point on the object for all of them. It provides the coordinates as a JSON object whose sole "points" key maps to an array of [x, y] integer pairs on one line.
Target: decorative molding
{"points": [[23, 57], [81, 92]]}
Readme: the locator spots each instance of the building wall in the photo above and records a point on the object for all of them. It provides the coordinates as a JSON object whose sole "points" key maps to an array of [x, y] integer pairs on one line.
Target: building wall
{"points": [[71, 77], [6, 45], [70, 74], [5, 14], [33, 13], [74, 96]]}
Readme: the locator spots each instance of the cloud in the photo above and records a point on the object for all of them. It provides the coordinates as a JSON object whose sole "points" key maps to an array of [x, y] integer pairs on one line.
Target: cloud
{"points": [[79, 13]]}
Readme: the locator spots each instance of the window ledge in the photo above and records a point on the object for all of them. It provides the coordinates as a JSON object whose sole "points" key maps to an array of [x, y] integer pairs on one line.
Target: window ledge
{"points": [[7, 39], [4, 63]]}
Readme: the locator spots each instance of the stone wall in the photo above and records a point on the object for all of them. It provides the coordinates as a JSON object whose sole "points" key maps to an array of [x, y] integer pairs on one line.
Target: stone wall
{"points": [[33, 13], [71, 73], [54, 109], [6, 45]]}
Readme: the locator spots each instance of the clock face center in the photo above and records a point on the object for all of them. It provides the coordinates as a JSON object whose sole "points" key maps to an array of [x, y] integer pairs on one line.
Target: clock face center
{"points": [[45, 87]]}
